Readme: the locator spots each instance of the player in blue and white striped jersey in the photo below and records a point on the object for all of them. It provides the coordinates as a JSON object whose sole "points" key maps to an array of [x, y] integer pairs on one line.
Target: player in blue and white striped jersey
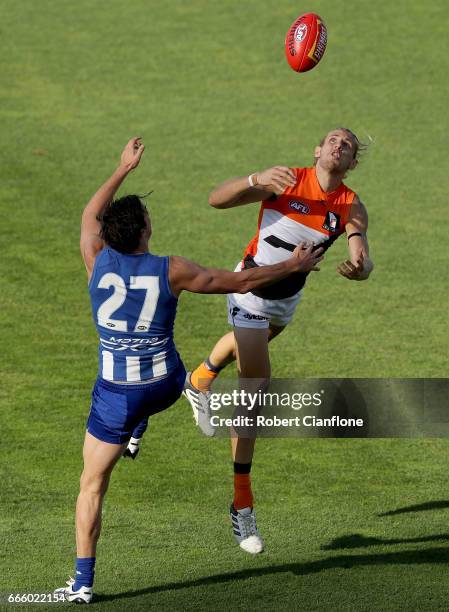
{"points": [[134, 296]]}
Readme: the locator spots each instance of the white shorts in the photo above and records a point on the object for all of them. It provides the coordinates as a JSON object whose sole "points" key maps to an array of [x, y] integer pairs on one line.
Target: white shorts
{"points": [[248, 310]]}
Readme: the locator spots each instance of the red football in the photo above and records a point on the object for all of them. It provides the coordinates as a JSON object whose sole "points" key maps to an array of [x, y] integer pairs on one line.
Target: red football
{"points": [[305, 42]]}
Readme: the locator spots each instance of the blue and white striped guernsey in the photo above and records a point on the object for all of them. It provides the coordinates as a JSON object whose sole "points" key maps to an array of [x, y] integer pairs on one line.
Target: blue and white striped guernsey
{"points": [[134, 312]]}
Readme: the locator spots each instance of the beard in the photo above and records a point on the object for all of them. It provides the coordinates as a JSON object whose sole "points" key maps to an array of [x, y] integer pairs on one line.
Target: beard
{"points": [[335, 165]]}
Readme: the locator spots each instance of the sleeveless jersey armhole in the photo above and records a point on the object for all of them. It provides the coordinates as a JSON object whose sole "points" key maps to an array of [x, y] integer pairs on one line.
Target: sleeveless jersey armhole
{"points": [[94, 269], [350, 196], [166, 268]]}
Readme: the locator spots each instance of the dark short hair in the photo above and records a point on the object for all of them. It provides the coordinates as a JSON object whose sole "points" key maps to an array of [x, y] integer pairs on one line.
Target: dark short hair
{"points": [[122, 222]]}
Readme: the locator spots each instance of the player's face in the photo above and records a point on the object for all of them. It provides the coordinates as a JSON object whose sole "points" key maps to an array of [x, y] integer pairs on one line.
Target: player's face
{"points": [[336, 154]]}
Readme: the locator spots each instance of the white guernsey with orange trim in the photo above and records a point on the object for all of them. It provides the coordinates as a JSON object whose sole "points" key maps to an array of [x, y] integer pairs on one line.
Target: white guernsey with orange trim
{"points": [[303, 213]]}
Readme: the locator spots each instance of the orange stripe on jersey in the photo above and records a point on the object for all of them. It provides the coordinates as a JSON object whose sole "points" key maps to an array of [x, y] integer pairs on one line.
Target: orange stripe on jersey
{"points": [[252, 245]]}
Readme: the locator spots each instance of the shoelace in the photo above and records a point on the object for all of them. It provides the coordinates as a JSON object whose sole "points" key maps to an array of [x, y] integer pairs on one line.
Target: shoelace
{"points": [[203, 406], [70, 582], [247, 525]]}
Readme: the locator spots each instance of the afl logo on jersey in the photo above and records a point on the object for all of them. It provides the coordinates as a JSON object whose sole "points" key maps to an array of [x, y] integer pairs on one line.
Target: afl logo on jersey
{"points": [[332, 222], [300, 207]]}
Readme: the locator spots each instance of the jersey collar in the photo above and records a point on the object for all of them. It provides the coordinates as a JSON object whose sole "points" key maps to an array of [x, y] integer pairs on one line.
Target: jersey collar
{"points": [[327, 195]]}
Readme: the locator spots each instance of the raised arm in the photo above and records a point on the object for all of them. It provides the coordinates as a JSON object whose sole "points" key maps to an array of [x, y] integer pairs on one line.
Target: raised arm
{"points": [[90, 241], [253, 188], [359, 266], [189, 276]]}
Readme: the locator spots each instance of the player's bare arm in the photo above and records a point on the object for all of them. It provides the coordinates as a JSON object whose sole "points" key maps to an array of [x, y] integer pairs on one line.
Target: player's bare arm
{"points": [[90, 241], [253, 188], [359, 265], [189, 276]]}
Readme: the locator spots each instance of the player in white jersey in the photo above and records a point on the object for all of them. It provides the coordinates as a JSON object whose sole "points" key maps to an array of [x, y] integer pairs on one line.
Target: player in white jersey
{"points": [[134, 296], [310, 204]]}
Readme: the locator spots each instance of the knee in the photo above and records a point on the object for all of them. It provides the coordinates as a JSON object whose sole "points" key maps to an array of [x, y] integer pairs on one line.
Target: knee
{"points": [[256, 377], [255, 384], [93, 484]]}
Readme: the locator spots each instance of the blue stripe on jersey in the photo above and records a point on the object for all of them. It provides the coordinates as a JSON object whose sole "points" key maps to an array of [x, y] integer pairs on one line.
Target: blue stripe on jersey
{"points": [[134, 312]]}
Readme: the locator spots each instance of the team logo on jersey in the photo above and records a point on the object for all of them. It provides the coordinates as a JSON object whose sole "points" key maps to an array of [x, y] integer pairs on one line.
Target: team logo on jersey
{"points": [[332, 222], [132, 344], [300, 207]]}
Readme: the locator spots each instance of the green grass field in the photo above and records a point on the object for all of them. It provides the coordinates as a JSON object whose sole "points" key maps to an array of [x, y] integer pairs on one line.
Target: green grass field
{"points": [[207, 86]]}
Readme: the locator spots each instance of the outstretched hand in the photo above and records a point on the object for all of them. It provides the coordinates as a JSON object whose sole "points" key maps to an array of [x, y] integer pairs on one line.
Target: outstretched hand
{"points": [[307, 257], [353, 271], [276, 179], [132, 153]]}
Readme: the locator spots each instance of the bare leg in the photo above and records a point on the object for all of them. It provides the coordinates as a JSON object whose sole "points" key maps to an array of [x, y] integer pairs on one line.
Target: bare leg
{"points": [[99, 460], [253, 362], [224, 352]]}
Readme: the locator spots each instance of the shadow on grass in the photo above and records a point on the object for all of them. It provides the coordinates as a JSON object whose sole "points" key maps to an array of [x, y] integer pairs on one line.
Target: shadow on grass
{"points": [[356, 540], [431, 505], [408, 557]]}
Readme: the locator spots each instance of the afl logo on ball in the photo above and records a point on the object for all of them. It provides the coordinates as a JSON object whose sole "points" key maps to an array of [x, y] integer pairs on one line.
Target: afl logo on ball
{"points": [[299, 207], [301, 32]]}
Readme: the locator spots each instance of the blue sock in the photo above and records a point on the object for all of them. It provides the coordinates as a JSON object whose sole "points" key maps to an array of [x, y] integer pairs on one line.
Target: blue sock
{"points": [[85, 570]]}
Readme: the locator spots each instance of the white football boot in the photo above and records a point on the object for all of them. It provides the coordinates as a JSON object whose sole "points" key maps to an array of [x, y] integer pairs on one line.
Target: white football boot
{"points": [[82, 596], [133, 448], [245, 529], [200, 403]]}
